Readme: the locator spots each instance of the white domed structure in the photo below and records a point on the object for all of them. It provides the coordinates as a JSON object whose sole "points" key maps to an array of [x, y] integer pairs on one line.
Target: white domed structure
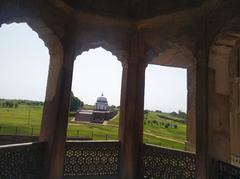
{"points": [[99, 115], [102, 103]]}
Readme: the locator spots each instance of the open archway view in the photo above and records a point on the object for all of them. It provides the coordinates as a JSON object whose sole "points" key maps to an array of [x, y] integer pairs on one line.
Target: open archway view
{"points": [[24, 62], [165, 106], [95, 97]]}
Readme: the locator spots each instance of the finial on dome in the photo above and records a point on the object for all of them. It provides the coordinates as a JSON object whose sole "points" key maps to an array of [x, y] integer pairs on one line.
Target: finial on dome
{"points": [[102, 93]]}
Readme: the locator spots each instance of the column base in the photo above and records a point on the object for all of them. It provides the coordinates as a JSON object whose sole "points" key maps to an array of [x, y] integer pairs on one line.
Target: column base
{"points": [[190, 147], [235, 160]]}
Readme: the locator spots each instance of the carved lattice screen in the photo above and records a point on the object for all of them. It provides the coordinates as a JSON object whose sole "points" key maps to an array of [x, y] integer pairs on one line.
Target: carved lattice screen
{"points": [[92, 158], [166, 163]]}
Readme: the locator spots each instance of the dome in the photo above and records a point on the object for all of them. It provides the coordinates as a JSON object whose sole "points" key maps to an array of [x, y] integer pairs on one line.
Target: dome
{"points": [[102, 104], [102, 99]]}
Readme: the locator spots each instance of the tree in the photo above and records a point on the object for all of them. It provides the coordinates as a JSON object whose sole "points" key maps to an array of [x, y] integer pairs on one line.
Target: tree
{"points": [[75, 103], [167, 125], [182, 114], [174, 113], [9, 104], [158, 111], [146, 114]]}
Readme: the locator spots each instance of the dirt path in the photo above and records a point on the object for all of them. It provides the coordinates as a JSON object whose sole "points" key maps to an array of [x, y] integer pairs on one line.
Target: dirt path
{"points": [[146, 133], [105, 123], [112, 125], [165, 138]]}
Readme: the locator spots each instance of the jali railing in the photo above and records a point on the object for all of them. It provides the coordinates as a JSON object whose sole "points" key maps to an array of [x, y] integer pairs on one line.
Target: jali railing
{"points": [[21, 161], [166, 163], [92, 159], [227, 171]]}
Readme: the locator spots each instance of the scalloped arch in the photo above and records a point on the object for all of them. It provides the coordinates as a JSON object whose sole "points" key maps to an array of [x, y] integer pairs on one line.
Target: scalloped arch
{"points": [[171, 54], [120, 54]]}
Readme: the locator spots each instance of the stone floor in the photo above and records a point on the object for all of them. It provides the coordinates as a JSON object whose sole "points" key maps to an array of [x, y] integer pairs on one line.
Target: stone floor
{"points": [[94, 177]]}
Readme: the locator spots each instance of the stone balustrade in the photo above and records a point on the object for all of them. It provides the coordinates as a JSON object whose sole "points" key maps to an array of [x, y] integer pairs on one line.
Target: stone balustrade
{"points": [[22, 161], [158, 162], [101, 159], [92, 159]]}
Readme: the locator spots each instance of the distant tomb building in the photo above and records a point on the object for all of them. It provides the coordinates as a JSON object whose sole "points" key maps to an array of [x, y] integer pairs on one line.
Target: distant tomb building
{"points": [[102, 104], [84, 115], [101, 113]]}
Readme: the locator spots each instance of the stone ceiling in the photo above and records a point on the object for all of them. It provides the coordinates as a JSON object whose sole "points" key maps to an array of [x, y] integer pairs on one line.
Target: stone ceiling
{"points": [[135, 9]]}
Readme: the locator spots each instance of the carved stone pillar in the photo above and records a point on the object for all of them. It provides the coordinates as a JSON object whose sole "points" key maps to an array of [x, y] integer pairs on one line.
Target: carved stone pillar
{"points": [[235, 105], [202, 115], [55, 113], [235, 121], [132, 115], [219, 122], [191, 109], [218, 106]]}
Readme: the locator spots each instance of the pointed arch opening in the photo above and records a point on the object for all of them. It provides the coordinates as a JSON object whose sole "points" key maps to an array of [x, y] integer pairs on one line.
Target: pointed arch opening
{"points": [[95, 97], [24, 66], [165, 112], [170, 100]]}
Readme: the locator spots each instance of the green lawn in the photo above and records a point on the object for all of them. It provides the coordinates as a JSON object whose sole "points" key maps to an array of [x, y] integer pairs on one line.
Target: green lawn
{"points": [[26, 119]]}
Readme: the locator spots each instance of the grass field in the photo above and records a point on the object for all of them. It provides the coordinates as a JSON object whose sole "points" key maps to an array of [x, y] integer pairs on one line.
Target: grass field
{"points": [[26, 119]]}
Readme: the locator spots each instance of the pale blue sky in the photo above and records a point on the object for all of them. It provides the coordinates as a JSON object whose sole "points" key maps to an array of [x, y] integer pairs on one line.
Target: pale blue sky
{"points": [[165, 88], [24, 61]]}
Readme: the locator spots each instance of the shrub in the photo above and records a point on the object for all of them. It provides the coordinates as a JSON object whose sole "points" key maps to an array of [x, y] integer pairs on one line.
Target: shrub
{"points": [[155, 122], [167, 125], [9, 104]]}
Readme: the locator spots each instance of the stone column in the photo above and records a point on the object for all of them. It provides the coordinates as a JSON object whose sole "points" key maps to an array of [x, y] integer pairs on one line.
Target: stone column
{"points": [[132, 115], [218, 125], [202, 115], [219, 121], [191, 109], [212, 117], [55, 113], [235, 121], [219, 102], [235, 105], [218, 105]]}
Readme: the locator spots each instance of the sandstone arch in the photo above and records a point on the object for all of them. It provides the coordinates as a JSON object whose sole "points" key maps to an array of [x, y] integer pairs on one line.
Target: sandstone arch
{"points": [[172, 55], [120, 54]]}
